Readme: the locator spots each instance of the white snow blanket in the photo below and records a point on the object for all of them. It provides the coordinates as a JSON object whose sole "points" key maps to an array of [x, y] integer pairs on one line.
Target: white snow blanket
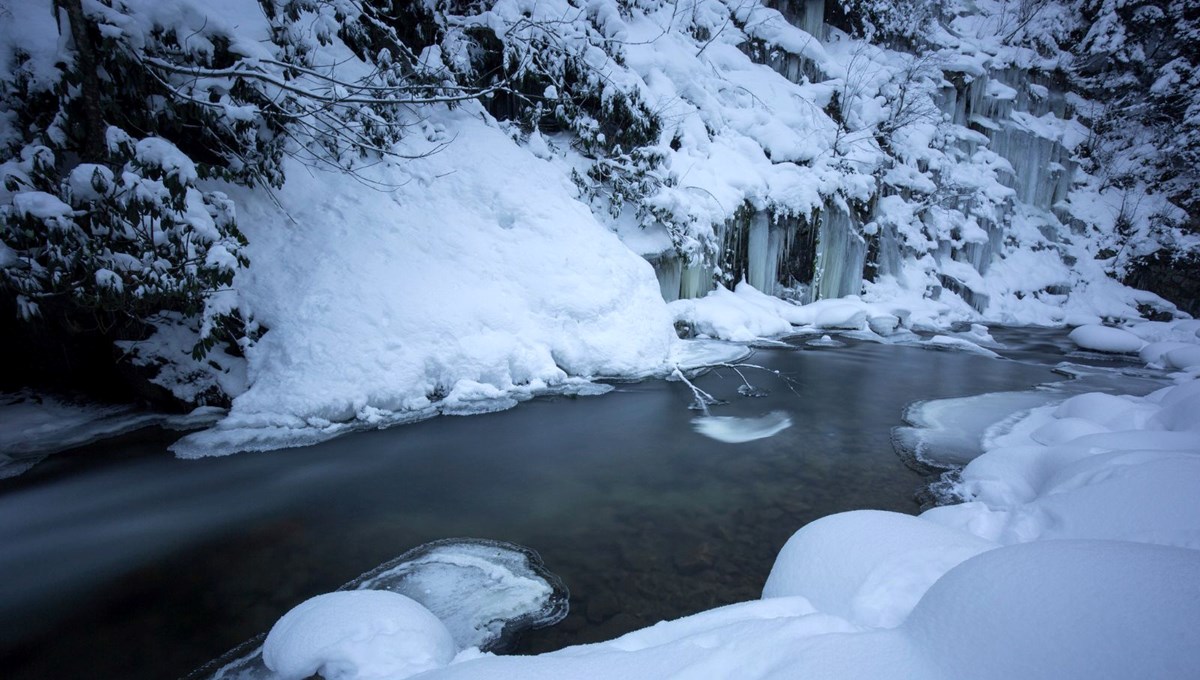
{"points": [[462, 280]]}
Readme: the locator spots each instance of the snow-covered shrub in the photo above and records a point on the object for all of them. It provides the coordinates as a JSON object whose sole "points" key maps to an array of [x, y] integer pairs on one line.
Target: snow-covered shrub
{"points": [[1139, 61], [898, 21], [120, 241]]}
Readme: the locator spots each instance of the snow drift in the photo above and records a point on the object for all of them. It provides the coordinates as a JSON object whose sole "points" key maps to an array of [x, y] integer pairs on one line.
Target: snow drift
{"points": [[446, 286]]}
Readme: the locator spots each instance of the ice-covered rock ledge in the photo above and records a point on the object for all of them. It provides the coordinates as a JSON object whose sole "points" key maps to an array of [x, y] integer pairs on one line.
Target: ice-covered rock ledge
{"points": [[1075, 555]]}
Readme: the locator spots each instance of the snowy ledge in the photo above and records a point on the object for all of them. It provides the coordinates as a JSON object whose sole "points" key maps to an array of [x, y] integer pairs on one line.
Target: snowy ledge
{"points": [[237, 433]]}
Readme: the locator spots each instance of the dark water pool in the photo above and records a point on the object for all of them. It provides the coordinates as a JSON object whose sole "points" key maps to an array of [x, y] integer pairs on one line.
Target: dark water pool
{"points": [[118, 561]]}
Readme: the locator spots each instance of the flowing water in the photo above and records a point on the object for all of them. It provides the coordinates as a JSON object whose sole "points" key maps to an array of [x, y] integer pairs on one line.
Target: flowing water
{"points": [[118, 561]]}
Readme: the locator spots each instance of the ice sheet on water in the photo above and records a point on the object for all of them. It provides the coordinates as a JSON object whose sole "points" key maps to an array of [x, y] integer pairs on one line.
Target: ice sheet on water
{"points": [[689, 355], [949, 432], [33, 426], [484, 591], [735, 430], [946, 342], [825, 341], [269, 432]]}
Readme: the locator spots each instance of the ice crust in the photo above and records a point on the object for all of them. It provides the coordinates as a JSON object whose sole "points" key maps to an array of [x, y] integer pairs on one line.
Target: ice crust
{"points": [[736, 430], [481, 590], [35, 425]]}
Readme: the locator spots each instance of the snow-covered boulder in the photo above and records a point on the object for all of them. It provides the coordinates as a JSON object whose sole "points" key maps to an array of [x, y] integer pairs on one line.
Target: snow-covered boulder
{"points": [[895, 559], [1106, 339], [357, 635]]}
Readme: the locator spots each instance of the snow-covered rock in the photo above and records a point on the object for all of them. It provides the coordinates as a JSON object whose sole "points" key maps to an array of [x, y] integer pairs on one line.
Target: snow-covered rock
{"points": [[1106, 339], [357, 635]]}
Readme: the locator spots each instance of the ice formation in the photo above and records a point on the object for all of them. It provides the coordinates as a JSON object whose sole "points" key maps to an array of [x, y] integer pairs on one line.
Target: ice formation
{"points": [[33, 426], [737, 430], [478, 592], [483, 591]]}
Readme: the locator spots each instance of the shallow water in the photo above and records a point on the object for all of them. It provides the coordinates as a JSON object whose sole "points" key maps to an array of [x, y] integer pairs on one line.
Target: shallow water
{"points": [[120, 561]]}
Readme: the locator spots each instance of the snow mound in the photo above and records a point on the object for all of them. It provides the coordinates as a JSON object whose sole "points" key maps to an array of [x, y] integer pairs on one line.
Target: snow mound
{"points": [[1064, 609], [825, 341], [1183, 357], [1106, 339], [735, 430], [896, 559], [745, 314], [357, 635], [473, 286]]}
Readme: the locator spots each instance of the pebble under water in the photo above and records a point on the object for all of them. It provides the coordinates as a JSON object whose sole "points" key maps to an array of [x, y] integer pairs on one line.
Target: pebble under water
{"points": [[120, 561]]}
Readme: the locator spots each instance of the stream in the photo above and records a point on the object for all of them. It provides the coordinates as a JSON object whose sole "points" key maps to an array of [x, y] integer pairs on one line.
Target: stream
{"points": [[120, 561]]}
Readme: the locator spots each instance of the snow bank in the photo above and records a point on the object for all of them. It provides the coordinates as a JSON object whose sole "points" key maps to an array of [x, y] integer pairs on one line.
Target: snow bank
{"points": [[459, 282], [895, 560], [357, 635], [745, 314], [1063, 609]]}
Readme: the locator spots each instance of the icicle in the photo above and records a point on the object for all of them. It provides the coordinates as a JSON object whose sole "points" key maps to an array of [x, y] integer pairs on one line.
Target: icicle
{"points": [[696, 280], [814, 19], [761, 263], [841, 255], [669, 270]]}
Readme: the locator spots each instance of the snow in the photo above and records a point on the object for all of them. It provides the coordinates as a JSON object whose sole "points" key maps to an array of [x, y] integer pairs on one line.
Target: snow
{"points": [[959, 344], [1182, 357], [40, 205], [1063, 609], [947, 432], [478, 280], [484, 593], [1106, 339], [735, 430], [357, 635], [745, 314], [895, 560]]}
